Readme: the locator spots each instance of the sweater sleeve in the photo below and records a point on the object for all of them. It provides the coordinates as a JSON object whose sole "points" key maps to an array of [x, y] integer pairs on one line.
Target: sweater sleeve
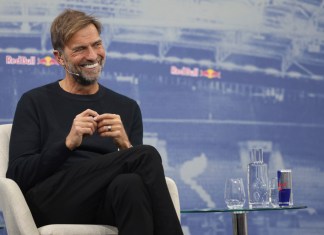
{"points": [[136, 135], [29, 162]]}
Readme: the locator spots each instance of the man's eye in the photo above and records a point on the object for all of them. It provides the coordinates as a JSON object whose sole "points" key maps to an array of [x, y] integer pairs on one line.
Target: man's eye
{"points": [[78, 49]]}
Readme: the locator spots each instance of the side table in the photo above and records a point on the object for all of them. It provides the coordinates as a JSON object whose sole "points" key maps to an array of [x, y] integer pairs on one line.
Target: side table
{"points": [[239, 216]]}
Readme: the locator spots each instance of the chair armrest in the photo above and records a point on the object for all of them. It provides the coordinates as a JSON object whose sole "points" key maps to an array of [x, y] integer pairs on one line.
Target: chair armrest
{"points": [[16, 213], [5, 130], [174, 194]]}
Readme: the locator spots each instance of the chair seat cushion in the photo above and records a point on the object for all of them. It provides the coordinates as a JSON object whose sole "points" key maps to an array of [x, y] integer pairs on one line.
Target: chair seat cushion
{"points": [[77, 229]]}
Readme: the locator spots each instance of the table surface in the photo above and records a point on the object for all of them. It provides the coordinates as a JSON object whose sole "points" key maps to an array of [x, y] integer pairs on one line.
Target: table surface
{"points": [[209, 210]]}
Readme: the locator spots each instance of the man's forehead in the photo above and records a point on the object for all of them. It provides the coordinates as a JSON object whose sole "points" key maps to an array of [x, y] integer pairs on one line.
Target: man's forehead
{"points": [[85, 36]]}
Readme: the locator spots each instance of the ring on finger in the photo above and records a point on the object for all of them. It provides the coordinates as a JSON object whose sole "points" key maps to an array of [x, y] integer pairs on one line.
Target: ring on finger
{"points": [[109, 128]]}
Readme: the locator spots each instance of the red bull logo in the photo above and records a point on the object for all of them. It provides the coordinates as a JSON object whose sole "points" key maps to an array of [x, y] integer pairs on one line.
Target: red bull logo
{"points": [[47, 61], [210, 73], [21, 60], [195, 72], [32, 60], [185, 71]]}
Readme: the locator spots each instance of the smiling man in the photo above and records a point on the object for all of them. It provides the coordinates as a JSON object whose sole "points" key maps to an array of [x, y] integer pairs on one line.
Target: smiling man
{"points": [[76, 146], [83, 56]]}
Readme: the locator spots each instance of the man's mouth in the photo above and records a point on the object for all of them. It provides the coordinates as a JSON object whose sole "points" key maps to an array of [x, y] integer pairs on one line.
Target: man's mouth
{"points": [[90, 66]]}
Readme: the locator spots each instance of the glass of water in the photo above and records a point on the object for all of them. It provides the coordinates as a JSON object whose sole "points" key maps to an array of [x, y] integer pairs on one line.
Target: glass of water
{"points": [[274, 193], [234, 193]]}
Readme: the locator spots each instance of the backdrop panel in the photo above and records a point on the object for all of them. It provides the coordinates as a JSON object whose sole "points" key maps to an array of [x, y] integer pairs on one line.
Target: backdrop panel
{"points": [[213, 79]]}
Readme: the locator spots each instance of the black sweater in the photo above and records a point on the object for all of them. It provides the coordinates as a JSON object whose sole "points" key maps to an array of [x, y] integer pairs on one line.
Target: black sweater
{"points": [[42, 121]]}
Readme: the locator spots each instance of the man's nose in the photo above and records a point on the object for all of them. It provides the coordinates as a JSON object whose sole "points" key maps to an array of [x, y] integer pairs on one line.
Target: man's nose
{"points": [[92, 54]]}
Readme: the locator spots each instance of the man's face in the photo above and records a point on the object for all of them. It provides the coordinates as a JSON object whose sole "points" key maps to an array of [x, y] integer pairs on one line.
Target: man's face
{"points": [[85, 55]]}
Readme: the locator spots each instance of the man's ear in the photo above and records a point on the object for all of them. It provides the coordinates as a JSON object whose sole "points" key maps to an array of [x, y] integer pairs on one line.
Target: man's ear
{"points": [[58, 57]]}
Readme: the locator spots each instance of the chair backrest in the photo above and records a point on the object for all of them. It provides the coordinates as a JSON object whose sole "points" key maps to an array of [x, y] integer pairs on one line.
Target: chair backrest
{"points": [[5, 130]]}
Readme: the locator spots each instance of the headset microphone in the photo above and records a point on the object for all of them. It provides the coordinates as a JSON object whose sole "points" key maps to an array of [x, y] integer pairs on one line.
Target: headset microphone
{"points": [[66, 68], [72, 73]]}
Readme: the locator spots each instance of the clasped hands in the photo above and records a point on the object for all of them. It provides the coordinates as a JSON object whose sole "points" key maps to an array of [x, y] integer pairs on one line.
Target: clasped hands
{"points": [[107, 125]]}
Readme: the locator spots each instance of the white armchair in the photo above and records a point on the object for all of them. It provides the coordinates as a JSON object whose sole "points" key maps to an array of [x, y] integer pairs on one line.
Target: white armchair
{"points": [[17, 216]]}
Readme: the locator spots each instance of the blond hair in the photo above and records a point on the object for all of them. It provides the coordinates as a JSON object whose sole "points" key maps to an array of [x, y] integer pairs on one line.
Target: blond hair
{"points": [[67, 24]]}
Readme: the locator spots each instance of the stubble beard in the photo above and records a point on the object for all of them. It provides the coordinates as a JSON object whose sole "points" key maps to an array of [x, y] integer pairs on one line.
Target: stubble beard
{"points": [[86, 79]]}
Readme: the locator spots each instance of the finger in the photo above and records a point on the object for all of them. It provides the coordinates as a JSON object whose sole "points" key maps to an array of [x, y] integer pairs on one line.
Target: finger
{"points": [[116, 134], [110, 121], [105, 123], [86, 125], [89, 120], [88, 112], [110, 127], [106, 128], [84, 131], [107, 116]]}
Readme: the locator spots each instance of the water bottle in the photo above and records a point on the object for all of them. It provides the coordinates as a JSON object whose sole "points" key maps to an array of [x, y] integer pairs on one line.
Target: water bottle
{"points": [[258, 183]]}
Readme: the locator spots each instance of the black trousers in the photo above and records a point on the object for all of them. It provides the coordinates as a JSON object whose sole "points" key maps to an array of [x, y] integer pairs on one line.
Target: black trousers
{"points": [[126, 189]]}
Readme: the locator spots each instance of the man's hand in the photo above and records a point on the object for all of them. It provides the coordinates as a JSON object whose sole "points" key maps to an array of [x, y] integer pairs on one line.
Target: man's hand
{"points": [[83, 124], [110, 125]]}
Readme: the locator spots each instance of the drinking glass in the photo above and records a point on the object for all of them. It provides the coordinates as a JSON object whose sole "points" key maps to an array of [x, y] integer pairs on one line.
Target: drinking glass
{"points": [[234, 193], [274, 193]]}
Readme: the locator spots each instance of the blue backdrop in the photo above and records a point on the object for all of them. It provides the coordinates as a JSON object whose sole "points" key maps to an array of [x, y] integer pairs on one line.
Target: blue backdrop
{"points": [[214, 78]]}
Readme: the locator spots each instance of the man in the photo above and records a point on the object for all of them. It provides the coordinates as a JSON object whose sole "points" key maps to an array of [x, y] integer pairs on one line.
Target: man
{"points": [[71, 147]]}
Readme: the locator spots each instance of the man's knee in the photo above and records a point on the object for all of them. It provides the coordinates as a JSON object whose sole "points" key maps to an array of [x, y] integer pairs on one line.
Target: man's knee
{"points": [[150, 151], [127, 183]]}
